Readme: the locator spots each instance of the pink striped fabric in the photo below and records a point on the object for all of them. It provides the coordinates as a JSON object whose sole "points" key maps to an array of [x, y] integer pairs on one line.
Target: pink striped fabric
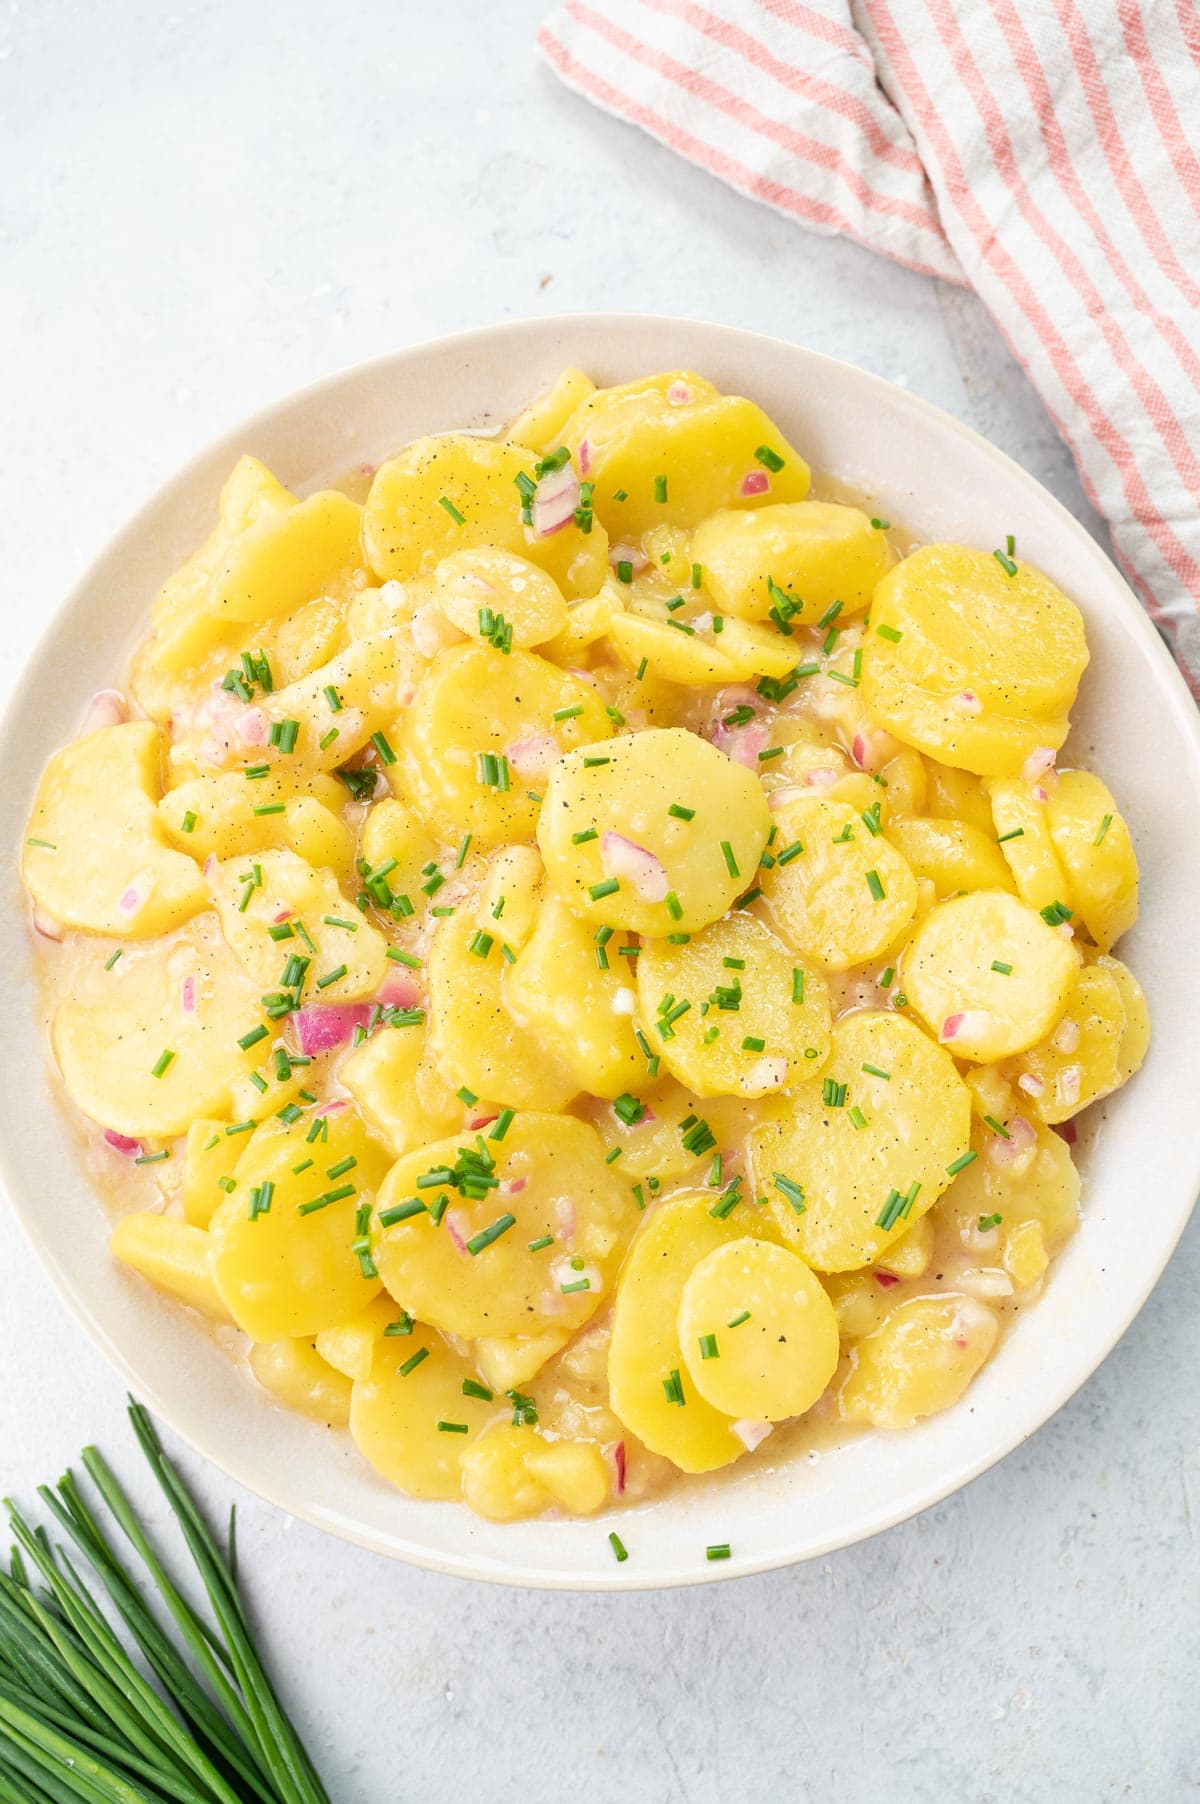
{"points": [[1035, 149]]}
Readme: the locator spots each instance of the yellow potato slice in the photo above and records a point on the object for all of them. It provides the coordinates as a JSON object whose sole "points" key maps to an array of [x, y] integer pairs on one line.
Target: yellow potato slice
{"points": [[207, 1157], [677, 425], [815, 552], [838, 1166], [186, 998], [405, 1102], [350, 1347], [279, 889], [973, 665], [578, 1000], [648, 636], [287, 558], [758, 1333], [407, 530], [540, 425], [919, 1362], [653, 1141], [1080, 1059], [370, 682], [300, 1263], [1093, 842], [175, 1256], [296, 1375], [758, 1019], [497, 596], [954, 974], [650, 1388], [909, 1256], [476, 1039], [545, 1177], [506, 1363], [647, 869], [952, 855], [510, 1473], [510, 898], [407, 1418], [1023, 833], [1026, 1182], [95, 855], [841, 893], [482, 734], [394, 836], [957, 795], [1135, 1041], [215, 817]]}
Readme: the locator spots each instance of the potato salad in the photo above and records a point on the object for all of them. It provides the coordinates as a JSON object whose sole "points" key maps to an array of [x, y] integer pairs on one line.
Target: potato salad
{"points": [[575, 952]]}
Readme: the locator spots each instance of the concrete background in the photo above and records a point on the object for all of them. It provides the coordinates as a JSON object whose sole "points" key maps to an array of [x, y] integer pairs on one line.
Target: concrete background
{"points": [[202, 207]]}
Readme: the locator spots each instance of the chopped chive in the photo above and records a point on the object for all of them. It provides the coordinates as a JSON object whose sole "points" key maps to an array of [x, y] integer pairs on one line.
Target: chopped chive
{"points": [[253, 1037], [331, 976], [752, 1043], [568, 713], [708, 1347], [337, 921], [111, 961], [997, 1127], [598, 891], [152, 1158], [1017, 833], [673, 1387], [1105, 824], [595, 763], [410, 1365], [736, 1321], [987, 1222], [452, 1427], [577, 1284], [789, 852], [1005, 562], [856, 1117], [660, 488], [479, 1242], [445, 501], [379, 741], [618, 1546], [624, 571], [404, 1211], [158, 1069], [504, 1121], [472, 1388], [327, 739], [770, 460], [543, 1240], [583, 838], [680, 813], [718, 1551], [481, 945], [792, 1192], [797, 984], [1005, 970], [875, 886], [731, 864], [889, 632], [876, 1071], [1055, 913], [961, 1163]]}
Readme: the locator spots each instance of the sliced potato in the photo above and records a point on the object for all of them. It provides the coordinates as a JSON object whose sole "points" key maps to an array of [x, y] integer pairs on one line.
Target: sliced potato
{"points": [[294, 1372], [207, 1157], [411, 1417], [1024, 837], [839, 892], [405, 1102], [540, 425], [919, 1362], [277, 890], [95, 854], [545, 1177], [759, 1334], [987, 975], [497, 596], [954, 856], [757, 1021], [176, 1257], [621, 858], [1092, 840], [1135, 1041], [814, 552], [1080, 1059], [512, 1472], [837, 1167]]}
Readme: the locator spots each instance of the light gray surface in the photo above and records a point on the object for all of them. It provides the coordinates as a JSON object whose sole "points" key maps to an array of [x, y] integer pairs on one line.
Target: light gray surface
{"points": [[206, 207]]}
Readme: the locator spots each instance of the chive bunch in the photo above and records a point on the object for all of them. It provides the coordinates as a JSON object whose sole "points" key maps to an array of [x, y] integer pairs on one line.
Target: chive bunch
{"points": [[114, 1706]]}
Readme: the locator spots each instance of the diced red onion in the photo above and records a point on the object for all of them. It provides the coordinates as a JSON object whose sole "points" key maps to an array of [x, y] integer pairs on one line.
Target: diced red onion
{"points": [[510, 1186], [107, 708], [121, 1143], [554, 501], [323, 1025], [585, 456], [614, 1452], [399, 989], [873, 748], [1032, 1086], [333, 1106], [622, 553], [967, 702], [451, 1225], [679, 394], [742, 744], [1067, 1085], [564, 1209], [251, 727], [767, 1074], [1067, 1130], [481, 1121], [621, 858], [1066, 1035], [969, 1025], [534, 756], [45, 923], [187, 996], [1038, 763], [754, 482], [133, 898], [209, 867], [886, 1279], [1040, 794], [750, 1432], [1022, 1136], [824, 776]]}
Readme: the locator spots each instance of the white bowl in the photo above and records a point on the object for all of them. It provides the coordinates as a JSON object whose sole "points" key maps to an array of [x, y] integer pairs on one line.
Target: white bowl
{"points": [[1135, 724]]}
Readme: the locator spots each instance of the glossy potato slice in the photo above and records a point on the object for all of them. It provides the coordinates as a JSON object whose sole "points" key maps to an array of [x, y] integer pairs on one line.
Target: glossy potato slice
{"points": [[678, 425], [644, 637], [95, 855], [816, 552], [919, 1362], [187, 997], [509, 1362], [954, 856], [293, 1269], [1092, 840], [1029, 1180], [286, 558], [582, 1013], [511, 895], [484, 582], [510, 1473], [1135, 1041], [540, 425], [831, 1171], [646, 869], [296, 1375], [416, 1383], [645, 1349], [653, 1142], [407, 531], [958, 795], [1023, 834], [208, 1156], [846, 894], [782, 1352], [1080, 1059], [476, 704], [350, 1347], [969, 664], [951, 975], [288, 891], [549, 1179], [758, 1019], [473, 1034], [215, 817], [405, 1102], [394, 835], [371, 681], [174, 1255]]}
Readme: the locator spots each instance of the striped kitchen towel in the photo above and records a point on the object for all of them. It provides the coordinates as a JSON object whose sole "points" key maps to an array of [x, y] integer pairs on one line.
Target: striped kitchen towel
{"points": [[1038, 150]]}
